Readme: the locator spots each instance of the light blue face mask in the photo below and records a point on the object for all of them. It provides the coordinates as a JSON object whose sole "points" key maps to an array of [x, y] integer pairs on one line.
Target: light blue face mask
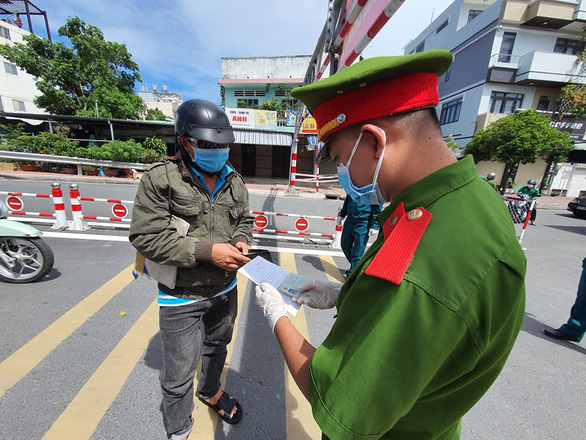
{"points": [[211, 160], [367, 195]]}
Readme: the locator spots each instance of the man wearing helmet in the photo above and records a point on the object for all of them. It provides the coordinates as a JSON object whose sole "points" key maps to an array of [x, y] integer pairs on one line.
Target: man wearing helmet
{"points": [[490, 180], [199, 186], [532, 192]]}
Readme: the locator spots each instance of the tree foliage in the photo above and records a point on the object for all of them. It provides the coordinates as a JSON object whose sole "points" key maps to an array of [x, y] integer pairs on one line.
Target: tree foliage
{"points": [[154, 114], [520, 138], [72, 79]]}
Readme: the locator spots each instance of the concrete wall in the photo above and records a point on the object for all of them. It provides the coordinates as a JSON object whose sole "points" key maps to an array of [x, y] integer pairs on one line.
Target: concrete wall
{"points": [[265, 67]]}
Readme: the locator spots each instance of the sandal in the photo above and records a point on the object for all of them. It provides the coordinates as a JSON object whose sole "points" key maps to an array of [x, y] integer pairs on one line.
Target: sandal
{"points": [[226, 403]]}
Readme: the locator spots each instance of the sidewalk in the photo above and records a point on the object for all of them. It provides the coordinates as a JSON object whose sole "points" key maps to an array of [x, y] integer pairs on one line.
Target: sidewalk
{"points": [[256, 185]]}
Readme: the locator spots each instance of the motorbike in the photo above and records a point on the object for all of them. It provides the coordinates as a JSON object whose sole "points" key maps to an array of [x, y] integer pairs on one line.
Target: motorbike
{"points": [[24, 256]]}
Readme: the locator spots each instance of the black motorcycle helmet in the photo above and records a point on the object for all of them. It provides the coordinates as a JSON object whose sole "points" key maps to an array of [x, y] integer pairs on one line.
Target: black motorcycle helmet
{"points": [[205, 121]]}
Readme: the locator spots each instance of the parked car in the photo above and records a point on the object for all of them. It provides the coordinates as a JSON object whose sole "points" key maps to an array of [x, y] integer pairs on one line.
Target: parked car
{"points": [[578, 207]]}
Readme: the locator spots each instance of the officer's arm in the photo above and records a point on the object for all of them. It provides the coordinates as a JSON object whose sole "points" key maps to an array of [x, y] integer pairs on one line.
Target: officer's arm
{"points": [[297, 352]]}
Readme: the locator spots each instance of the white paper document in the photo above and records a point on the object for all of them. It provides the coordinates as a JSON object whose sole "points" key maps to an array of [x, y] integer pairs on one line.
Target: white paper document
{"points": [[287, 283]]}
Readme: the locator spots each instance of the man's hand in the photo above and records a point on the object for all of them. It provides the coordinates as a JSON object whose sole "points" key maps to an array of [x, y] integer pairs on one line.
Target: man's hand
{"points": [[228, 257], [318, 294], [271, 302], [242, 247]]}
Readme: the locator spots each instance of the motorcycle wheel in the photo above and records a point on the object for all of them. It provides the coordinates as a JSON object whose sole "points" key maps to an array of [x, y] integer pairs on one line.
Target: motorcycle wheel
{"points": [[24, 260]]}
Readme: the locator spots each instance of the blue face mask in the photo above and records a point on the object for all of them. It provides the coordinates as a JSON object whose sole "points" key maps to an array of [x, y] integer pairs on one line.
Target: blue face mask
{"points": [[367, 195], [211, 160]]}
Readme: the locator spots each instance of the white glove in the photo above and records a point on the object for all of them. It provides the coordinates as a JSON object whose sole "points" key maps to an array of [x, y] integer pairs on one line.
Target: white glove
{"points": [[318, 294], [271, 302]]}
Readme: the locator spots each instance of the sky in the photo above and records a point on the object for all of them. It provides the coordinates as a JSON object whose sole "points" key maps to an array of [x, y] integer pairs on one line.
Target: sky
{"points": [[180, 43]]}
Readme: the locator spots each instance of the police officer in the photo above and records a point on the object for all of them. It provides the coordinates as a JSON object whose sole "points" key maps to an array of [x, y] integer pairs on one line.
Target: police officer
{"points": [[427, 319], [200, 187]]}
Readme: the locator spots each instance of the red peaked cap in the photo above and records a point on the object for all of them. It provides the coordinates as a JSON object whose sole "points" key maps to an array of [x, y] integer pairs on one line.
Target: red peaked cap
{"points": [[373, 88]]}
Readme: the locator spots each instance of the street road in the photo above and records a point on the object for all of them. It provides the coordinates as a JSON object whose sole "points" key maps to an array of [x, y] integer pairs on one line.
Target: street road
{"points": [[80, 350]]}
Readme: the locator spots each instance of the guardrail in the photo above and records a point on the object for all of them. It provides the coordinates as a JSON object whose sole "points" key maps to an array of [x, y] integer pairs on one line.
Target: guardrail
{"points": [[78, 161]]}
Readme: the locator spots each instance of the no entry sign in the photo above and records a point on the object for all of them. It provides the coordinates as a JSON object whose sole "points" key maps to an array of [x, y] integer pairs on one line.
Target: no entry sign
{"points": [[119, 210], [14, 203], [261, 221], [301, 224]]}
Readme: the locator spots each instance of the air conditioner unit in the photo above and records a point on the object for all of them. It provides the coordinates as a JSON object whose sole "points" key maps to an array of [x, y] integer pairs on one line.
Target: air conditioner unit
{"points": [[164, 88], [154, 88]]}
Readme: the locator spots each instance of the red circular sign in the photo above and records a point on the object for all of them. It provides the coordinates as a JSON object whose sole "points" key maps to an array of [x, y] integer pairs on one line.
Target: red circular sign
{"points": [[119, 210], [14, 203], [301, 224], [261, 221]]}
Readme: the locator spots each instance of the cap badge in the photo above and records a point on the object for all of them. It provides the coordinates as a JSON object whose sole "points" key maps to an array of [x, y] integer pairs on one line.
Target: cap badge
{"points": [[341, 118]]}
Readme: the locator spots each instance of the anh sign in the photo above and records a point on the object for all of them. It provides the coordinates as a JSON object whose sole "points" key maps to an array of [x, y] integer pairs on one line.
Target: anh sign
{"points": [[250, 118]]}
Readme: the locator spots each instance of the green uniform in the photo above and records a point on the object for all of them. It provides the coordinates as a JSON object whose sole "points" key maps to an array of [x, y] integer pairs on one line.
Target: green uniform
{"points": [[493, 184], [384, 371]]}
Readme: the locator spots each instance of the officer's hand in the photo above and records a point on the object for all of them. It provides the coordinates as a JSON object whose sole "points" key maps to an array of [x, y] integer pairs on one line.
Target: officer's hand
{"points": [[228, 257], [271, 302], [242, 247], [318, 294]]}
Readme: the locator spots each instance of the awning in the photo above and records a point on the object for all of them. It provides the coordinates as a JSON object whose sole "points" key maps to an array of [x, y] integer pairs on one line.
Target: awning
{"points": [[580, 146], [28, 121], [253, 137]]}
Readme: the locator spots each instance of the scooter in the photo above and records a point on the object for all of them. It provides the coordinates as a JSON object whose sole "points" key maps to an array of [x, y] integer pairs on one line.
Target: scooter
{"points": [[24, 256]]}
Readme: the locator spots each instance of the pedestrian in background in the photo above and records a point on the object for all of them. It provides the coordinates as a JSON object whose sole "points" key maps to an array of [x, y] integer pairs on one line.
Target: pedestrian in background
{"points": [[359, 219], [490, 180], [533, 193], [574, 329], [430, 314], [200, 187]]}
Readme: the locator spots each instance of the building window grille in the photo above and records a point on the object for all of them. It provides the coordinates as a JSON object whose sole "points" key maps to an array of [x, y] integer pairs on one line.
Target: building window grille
{"points": [[501, 102], [10, 68], [543, 103], [281, 93], [451, 111], [4, 33], [18, 105], [473, 13], [421, 47], [249, 93], [507, 47], [441, 27], [571, 47]]}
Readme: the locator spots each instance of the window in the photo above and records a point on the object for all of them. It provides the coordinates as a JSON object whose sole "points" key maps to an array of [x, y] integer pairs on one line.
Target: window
{"points": [[18, 105], [507, 47], [10, 68], [250, 93], [543, 103], [451, 111], [281, 93], [4, 33], [248, 102], [420, 48], [448, 73], [501, 102], [473, 13], [571, 47], [441, 27]]}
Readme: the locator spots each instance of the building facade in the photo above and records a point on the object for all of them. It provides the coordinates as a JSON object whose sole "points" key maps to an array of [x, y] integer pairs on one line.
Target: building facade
{"points": [[166, 102], [17, 88], [508, 55]]}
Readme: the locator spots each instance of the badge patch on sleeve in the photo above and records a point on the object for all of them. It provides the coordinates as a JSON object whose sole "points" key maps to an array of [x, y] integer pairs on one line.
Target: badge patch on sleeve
{"points": [[402, 231]]}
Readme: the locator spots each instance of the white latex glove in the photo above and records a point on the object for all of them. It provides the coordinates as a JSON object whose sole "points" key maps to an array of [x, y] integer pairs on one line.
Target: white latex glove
{"points": [[271, 302], [318, 294]]}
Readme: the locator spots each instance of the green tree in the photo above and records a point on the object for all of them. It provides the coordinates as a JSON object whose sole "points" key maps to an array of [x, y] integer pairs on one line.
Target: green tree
{"points": [[155, 115], [72, 79], [522, 137]]}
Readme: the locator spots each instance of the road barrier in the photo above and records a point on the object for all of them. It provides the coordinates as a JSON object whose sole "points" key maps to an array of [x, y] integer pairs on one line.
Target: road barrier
{"points": [[16, 205], [520, 209], [119, 209], [301, 225]]}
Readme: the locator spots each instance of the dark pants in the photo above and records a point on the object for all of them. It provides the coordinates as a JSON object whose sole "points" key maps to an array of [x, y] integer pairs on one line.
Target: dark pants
{"points": [[353, 241], [576, 325], [182, 348]]}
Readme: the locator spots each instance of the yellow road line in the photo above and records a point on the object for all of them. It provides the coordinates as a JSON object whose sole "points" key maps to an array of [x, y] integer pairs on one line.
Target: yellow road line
{"points": [[18, 364], [300, 422], [206, 419], [331, 268], [82, 415]]}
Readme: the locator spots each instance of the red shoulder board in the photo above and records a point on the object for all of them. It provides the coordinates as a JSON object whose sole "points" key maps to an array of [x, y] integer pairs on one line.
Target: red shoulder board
{"points": [[402, 232]]}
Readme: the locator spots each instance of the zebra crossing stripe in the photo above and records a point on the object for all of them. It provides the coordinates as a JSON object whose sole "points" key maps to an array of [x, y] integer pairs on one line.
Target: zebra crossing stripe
{"points": [[22, 361], [85, 411]]}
